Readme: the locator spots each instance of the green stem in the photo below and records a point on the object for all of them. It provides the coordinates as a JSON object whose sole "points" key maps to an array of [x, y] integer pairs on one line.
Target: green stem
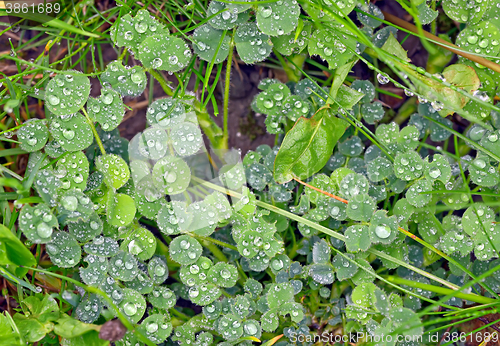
{"points": [[99, 292], [341, 237], [215, 251], [440, 290], [163, 82], [290, 72], [94, 131], [227, 84], [218, 242]]}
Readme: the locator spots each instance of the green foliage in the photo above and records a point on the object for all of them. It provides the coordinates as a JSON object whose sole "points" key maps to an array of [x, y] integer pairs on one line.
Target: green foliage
{"points": [[310, 141], [202, 249]]}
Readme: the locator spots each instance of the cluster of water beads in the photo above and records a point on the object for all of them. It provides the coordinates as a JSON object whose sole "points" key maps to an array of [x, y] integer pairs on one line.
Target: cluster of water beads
{"points": [[164, 52], [72, 132], [66, 94], [252, 45], [207, 43], [33, 135], [186, 138], [64, 250], [225, 17], [37, 223], [278, 18]]}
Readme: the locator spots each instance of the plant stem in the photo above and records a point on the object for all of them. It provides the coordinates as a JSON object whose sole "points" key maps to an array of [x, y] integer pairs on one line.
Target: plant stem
{"points": [[342, 238], [99, 292], [441, 290], [439, 41], [227, 85], [94, 131], [290, 73], [163, 82]]}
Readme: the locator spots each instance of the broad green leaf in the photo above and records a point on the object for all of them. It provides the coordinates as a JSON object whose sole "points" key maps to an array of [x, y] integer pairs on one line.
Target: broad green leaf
{"points": [[102, 246], [121, 209], [89, 309], [158, 269], [85, 230], [156, 327], [322, 273], [308, 146], [130, 32], [133, 305], [279, 294], [251, 44], [186, 138], [294, 42], [321, 252], [73, 171], [171, 175], [44, 309], [95, 273], [140, 243], [361, 207], [463, 11], [334, 44], [37, 223], [68, 327], [478, 223], [185, 249], [344, 268], [204, 294], [66, 94], [72, 132], [115, 170], [128, 81], [64, 250], [278, 18], [230, 327], [108, 110], [33, 135], [164, 52], [123, 266], [162, 298], [207, 41], [357, 238]]}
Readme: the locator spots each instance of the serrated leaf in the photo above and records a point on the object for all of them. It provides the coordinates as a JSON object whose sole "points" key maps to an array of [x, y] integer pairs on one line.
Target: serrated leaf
{"points": [[344, 268], [123, 266], [321, 252], [308, 146]]}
